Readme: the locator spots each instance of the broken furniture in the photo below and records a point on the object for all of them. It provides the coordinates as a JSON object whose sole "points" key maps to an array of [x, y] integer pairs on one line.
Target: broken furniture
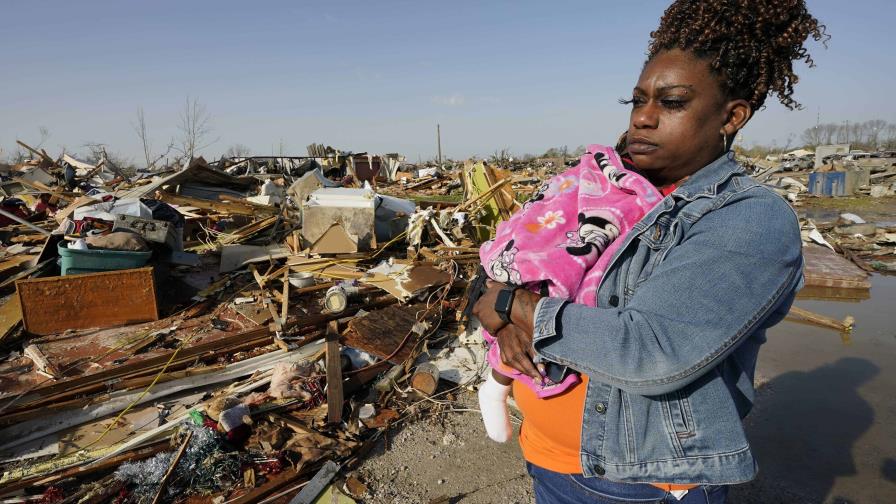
{"points": [[57, 304]]}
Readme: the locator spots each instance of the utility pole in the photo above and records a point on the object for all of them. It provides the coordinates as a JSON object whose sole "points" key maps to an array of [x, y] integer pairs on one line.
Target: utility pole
{"points": [[439, 142], [817, 124]]}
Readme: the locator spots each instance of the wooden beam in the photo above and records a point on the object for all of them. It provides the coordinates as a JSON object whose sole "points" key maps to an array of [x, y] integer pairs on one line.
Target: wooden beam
{"points": [[10, 317], [816, 318], [43, 155], [165, 479], [334, 375], [285, 307]]}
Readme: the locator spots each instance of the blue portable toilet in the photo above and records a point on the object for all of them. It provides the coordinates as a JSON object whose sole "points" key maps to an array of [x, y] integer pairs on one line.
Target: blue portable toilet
{"points": [[827, 183]]}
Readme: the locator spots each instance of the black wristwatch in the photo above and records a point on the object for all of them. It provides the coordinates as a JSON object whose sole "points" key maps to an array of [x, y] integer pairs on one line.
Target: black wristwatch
{"points": [[504, 303]]}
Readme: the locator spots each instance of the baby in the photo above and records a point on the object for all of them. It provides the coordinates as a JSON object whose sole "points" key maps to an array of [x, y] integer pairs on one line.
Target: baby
{"points": [[559, 244]]}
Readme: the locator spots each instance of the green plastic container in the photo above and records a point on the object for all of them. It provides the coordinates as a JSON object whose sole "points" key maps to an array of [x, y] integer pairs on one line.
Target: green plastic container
{"points": [[76, 262]]}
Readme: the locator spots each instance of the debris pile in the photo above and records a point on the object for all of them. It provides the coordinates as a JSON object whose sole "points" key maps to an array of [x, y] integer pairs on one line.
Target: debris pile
{"points": [[832, 170], [230, 331], [871, 246], [246, 330]]}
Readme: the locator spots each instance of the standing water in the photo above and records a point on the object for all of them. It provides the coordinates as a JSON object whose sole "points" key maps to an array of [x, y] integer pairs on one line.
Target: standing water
{"points": [[824, 424]]}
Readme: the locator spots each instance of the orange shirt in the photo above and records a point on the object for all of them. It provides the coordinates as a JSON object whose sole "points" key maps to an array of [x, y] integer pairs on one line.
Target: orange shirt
{"points": [[551, 434]]}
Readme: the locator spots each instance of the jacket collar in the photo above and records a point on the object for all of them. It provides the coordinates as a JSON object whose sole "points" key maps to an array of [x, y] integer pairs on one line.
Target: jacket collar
{"points": [[706, 181]]}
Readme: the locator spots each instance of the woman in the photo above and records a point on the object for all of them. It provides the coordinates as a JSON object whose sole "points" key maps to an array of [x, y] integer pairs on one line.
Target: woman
{"points": [[668, 354]]}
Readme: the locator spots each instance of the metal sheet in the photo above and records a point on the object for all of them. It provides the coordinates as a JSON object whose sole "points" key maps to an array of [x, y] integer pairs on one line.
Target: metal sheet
{"points": [[96, 300]]}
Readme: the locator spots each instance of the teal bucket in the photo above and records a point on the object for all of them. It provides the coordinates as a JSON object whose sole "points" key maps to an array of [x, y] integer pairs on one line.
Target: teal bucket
{"points": [[76, 262]]}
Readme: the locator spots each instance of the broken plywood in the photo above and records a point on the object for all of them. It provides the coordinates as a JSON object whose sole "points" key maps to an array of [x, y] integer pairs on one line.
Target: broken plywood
{"points": [[386, 333], [405, 281], [53, 305], [10, 316], [825, 268], [335, 240]]}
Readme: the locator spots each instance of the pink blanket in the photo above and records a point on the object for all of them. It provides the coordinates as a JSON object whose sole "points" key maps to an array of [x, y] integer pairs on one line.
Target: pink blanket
{"points": [[562, 239]]}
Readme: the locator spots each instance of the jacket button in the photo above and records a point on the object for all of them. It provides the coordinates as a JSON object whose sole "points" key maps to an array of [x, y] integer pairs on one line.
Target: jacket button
{"points": [[601, 408], [599, 470], [614, 300]]}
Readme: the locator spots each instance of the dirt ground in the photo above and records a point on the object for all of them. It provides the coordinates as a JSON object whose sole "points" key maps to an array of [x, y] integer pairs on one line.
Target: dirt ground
{"points": [[446, 459]]}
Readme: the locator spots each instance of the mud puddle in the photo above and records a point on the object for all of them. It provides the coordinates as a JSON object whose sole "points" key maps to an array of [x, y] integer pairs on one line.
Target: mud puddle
{"points": [[824, 425]]}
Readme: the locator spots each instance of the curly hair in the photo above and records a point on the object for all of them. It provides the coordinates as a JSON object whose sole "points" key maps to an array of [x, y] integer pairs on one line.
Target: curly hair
{"points": [[751, 44]]}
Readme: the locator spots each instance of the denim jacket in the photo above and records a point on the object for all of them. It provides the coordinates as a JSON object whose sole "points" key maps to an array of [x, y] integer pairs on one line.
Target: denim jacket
{"points": [[671, 348]]}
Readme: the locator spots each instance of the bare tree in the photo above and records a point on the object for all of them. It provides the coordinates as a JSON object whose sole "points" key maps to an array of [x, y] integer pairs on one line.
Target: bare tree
{"points": [[827, 132], [890, 136], [44, 135], [842, 133], [874, 129], [140, 129], [856, 132], [237, 151], [790, 138], [195, 128], [812, 136]]}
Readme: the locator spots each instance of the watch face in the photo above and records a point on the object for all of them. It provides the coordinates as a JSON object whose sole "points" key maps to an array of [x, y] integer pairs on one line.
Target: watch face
{"points": [[502, 303]]}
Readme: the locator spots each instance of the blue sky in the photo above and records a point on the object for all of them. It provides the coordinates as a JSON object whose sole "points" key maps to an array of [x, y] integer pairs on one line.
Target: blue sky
{"points": [[378, 76]]}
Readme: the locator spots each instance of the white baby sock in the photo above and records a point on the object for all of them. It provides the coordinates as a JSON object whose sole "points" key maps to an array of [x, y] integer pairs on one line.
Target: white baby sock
{"points": [[493, 404]]}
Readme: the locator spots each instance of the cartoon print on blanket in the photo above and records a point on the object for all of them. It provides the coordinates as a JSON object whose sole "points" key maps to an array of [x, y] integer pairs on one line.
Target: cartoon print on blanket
{"points": [[565, 235]]}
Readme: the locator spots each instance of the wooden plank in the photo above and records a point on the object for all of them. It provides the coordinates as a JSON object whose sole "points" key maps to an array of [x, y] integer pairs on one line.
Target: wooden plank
{"points": [[317, 484], [285, 307], [275, 483], [822, 320], [167, 477], [56, 391], [14, 264], [96, 300], [825, 268], [40, 154], [334, 375], [9, 283], [10, 317], [40, 361]]}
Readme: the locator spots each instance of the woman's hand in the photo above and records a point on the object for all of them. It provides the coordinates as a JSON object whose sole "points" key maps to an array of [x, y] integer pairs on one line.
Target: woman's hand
{"points": [[484, 309], [514, 339], [517, 351]]}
